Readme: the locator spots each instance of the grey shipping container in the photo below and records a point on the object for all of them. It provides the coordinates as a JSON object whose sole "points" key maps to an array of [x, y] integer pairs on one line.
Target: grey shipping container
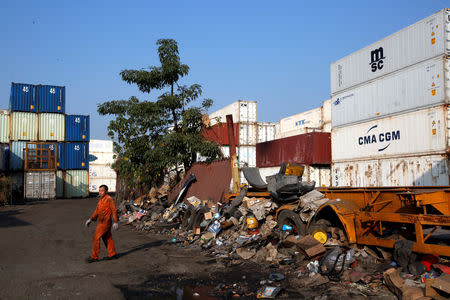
{"points": [[40, 185]]}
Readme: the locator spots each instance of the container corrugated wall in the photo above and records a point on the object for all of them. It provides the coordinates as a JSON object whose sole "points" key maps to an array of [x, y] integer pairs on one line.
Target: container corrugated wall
{"points": [[101, 157], [420, 132], [95, 183], [51, 98], [16, 155], [76, 156], [40, 185], [51, 127], [308, 119], [101, 146], [77, 128], [59, 184], [422, 85], [24, 126], [242, 111], [76, 184], [60, 156], [23, 97], [266, 132], [4, 126], [423, 40]]}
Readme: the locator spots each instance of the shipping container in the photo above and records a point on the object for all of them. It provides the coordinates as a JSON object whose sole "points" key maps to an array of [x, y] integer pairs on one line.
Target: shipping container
{"points": [[95, 183], [246, 155], [51, 98], [299, 131], [17, 185], [247, 134], [77, 128], [4, 126], [419, 132], [16, 154], [23, 97], [76, 184], [327, 127], [101, 171], [309, 149], [101, 146], [101, 158], [242, 111], [51, 127], [76, 156], [426, 170], [320, 174], [420, 86], [309, 119], [423, 40], [40, 185], [59, 184], [24, 126], [266, 131], [4, 149], [326, 111]]}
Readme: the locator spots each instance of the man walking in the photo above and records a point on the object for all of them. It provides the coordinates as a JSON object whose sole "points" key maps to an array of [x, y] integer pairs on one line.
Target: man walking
{"points": [[103, 213]]}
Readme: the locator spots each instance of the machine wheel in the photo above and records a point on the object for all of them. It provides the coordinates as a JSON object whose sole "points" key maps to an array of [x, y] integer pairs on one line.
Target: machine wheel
{"points": [[288, 217]]}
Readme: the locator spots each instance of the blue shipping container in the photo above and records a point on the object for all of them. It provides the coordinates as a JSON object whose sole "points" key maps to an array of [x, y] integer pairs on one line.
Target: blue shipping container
{"points": [[51, 98], [76, 156], [77, 128], [16, 155], [23, 97]]}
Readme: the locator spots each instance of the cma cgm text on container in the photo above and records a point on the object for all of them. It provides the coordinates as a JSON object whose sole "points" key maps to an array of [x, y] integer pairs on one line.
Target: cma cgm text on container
{"points": [[423, 40], [423, 85]]}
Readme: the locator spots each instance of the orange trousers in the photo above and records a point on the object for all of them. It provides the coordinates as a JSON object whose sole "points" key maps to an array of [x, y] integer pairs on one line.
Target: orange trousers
{"points": [[105, 234]]}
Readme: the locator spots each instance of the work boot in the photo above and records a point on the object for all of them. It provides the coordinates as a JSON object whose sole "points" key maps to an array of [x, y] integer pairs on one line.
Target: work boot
{"points": [[91, 260], [115, 256]]}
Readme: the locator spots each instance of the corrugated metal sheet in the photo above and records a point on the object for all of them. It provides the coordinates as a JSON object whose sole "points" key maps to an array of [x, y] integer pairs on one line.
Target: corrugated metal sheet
{"points": [[422, 85], [266, 131], [95, 183], [423, 40], [420, 132], [4, 126], [101, 146], [308, 119], [51, 98], [76, 184], [51, 127], [247, 134], [428, 170], [23, 97], [77, 128], [218, 172], [242, 111], [24, 126], [59, 184], [326, 111], [310, 148], [16, 155], [76, 156], [40, 185]]}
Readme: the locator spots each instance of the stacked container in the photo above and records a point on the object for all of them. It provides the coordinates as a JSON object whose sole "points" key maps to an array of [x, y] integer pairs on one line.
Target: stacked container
{"points": [[101, 157], [390, 112]]}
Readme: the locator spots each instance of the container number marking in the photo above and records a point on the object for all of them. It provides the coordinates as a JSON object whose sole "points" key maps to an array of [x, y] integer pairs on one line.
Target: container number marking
{"points": [[25, 89], [52, 91], [76, 147], [77, 120]]}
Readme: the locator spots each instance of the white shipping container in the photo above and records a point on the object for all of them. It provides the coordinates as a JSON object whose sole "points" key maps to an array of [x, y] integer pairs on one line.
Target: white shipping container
{"points": [[419, 132], [266, 131], [51, 127], [428, 170], [246, 155], [308, 119], [101, 146], [4, 126], [242, 111], [101, 158], [286, 134], [327, 127], [95, 183], [24, 126], [326, 111], [423, 40], [320, 174], [422, 85], [101, 171], [40, 185], [247, 133]]}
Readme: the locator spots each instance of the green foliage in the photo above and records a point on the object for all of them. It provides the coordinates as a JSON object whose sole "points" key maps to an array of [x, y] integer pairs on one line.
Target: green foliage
{"points": [[153, 137]]}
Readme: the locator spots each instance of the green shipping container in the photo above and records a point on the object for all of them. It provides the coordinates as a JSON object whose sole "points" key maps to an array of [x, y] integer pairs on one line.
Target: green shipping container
{"points": [[76, 184], [59, 184]]}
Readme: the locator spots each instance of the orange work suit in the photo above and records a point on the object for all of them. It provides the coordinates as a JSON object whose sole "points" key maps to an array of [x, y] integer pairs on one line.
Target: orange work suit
{"points": [[105, 209]]}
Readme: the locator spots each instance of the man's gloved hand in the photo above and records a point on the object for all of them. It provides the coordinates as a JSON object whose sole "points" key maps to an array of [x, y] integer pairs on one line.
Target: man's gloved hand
{"points": [[88, 222], [115, 226]]}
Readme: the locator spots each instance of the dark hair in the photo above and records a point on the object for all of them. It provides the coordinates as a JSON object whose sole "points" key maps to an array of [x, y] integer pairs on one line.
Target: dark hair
{"points": [[103, 186]]}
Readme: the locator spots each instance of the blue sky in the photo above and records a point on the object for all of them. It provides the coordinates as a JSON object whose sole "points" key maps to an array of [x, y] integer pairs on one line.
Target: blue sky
{"points": [[277, 53]]}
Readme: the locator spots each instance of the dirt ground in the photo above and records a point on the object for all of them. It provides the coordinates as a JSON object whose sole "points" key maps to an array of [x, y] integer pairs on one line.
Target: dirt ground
{"points": [[44, 245]]}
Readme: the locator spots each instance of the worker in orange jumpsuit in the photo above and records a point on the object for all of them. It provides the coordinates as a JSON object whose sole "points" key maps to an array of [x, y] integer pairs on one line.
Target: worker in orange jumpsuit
{"points": [[105, 210]]}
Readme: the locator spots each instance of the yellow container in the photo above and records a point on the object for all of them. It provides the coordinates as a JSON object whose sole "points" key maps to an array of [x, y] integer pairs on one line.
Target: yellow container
{"points": [[252, 223]]}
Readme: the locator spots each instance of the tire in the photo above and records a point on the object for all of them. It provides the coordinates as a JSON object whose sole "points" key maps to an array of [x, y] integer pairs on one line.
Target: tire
{"points": [[288, 217], [188, 219]]}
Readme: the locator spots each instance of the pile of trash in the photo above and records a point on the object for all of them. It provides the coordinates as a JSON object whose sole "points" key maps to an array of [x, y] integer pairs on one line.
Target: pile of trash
{"points": [[249, 229]]}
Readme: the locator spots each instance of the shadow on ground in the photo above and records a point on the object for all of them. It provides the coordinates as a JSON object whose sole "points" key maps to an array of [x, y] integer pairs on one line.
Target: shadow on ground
{"points": [[9, 219]]}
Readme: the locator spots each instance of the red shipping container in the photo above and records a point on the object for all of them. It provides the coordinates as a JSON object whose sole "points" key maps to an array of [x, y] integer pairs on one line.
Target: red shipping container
{"points": [[219, 134], [310, 148]]}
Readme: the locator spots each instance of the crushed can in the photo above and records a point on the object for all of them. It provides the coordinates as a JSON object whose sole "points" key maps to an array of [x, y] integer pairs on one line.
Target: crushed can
{"points": [[252, 222]]}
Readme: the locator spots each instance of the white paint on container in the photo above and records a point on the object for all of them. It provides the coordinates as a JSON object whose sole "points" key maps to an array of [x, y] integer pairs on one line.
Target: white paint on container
{"points": [[247, 134], [327, 127], [101, 146], [40, 185], [76, 184], [95, 183], [266, 131], [242, 111], [419, 132], [419, 86], [423, 40], [311, 119], [320, 174], [4, 126], [427, 170], [326, 111], [24, 126], [51, 127]]}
